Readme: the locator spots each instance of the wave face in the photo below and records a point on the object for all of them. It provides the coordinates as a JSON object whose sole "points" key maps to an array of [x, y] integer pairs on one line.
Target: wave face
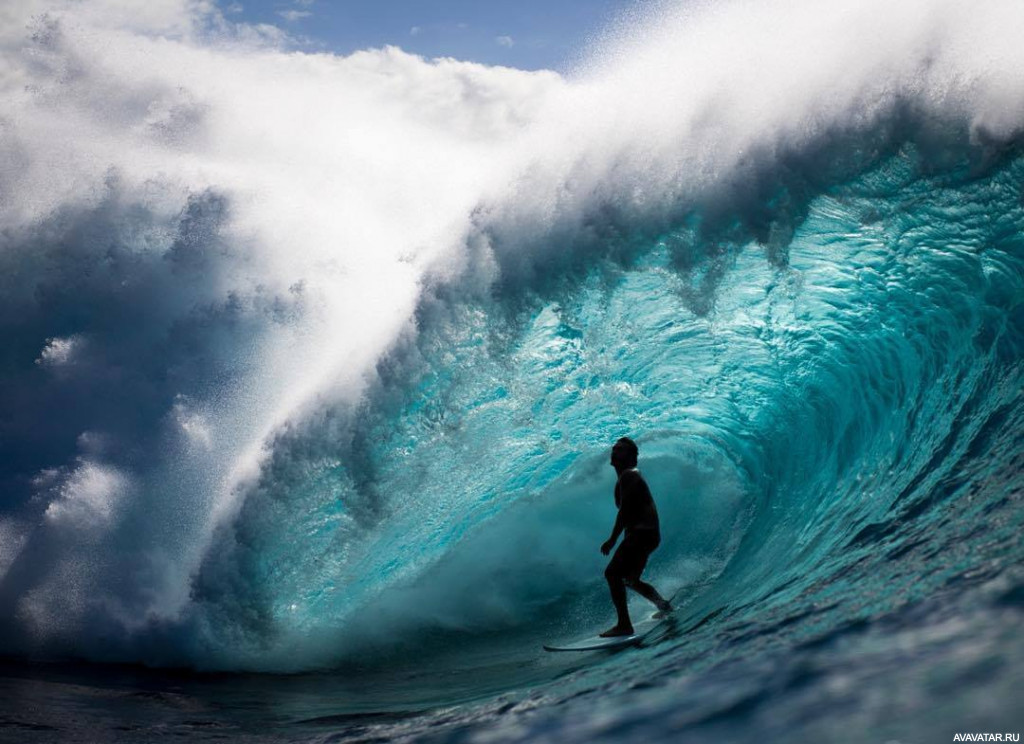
{"points": [[314, 362]]}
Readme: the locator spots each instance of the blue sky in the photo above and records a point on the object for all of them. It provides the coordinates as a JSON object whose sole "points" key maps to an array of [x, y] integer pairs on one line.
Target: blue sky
{"points": [[528, 34]]}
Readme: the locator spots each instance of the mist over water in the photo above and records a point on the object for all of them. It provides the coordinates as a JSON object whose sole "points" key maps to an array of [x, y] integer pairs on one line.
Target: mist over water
{"points": [[313, 362]]}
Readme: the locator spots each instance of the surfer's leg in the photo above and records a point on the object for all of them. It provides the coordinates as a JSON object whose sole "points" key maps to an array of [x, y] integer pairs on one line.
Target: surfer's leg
{"points": [[618, 591], [649, 593], [643, 551]]}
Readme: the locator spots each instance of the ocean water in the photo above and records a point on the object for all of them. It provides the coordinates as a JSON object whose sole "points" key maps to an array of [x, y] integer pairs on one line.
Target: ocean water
{"points": [[311, 366]]}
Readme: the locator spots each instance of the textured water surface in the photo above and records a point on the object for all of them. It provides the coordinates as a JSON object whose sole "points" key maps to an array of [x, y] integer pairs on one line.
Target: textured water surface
{"points": [[305, 421]]}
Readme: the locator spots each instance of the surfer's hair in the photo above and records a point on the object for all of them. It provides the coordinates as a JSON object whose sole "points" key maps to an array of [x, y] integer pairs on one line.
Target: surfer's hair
{"points": [[628, 448]]}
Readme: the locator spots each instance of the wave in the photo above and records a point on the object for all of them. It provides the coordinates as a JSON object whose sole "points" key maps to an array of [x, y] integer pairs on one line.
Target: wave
{"points": [[309, 357]]}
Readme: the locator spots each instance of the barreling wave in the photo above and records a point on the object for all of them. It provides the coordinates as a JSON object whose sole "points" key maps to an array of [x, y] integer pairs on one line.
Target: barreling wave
{"points": [[308, 359]]}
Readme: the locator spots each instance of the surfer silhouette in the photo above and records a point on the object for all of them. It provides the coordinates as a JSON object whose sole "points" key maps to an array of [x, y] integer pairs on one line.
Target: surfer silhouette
{"points": [[638, 518]]}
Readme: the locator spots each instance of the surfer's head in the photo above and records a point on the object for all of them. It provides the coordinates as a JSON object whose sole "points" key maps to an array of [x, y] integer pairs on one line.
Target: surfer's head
{"points": [[624, 453]]}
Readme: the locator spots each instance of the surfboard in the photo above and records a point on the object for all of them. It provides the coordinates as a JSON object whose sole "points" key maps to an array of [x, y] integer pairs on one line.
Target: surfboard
{"points": [[597, 643]]}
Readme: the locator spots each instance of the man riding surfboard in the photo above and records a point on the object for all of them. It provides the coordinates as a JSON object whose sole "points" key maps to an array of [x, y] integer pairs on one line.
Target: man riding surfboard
{"points": [[638, 518]]}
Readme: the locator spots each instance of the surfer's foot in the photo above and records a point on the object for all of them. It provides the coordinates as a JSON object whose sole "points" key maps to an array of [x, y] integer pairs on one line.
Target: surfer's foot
{"points": [[664, 610], [618, 630]]}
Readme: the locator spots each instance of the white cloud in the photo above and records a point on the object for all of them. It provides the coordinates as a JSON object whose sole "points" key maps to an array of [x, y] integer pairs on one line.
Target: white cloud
{"points": [[234, 8], [506, 41], [294, 15], [415, 31]]}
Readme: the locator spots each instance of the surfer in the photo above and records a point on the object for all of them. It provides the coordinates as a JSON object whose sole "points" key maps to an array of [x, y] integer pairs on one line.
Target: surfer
{"points": [[638, 518]]}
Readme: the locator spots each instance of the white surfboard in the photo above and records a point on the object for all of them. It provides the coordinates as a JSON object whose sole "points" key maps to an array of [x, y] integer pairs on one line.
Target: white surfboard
{"points": [[597, 643]]}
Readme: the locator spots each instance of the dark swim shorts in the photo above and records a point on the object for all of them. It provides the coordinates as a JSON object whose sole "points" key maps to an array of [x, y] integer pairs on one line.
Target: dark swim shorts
{"points": [[630, 558]]}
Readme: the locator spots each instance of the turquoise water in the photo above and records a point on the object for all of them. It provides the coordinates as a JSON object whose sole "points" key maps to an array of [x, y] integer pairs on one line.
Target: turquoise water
{"points": [[798, 417], [297, 449], [833, 437]]}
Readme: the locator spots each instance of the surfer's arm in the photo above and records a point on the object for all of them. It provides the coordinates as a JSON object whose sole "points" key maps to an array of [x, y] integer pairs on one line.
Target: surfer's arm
{"points": [[616, 531], [627, 510], [620, 525]]}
